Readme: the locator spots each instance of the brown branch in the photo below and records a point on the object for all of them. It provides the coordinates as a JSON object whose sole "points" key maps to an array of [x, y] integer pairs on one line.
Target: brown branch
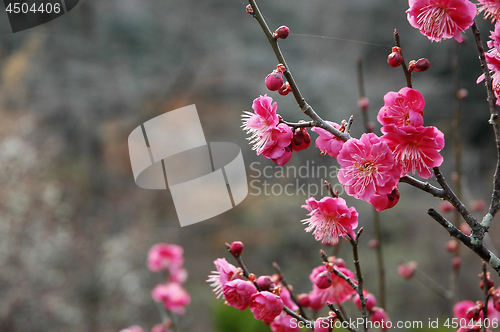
{"points": [[298, 124], [425, 186], [495, 122], [403, 63], [359, 277], [468, 241], [304, 106]]}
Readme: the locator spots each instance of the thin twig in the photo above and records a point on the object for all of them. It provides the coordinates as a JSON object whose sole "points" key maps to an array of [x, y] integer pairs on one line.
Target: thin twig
{"points": [[304, 106], [486, 295], [298, 124], [359, 277], [403, 63], [380, 259]]}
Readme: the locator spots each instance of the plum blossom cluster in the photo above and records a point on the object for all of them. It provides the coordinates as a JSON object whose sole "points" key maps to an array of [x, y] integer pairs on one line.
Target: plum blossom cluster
{"points": [[264, 296], [163, 257], [471, 315], [493, 60]]}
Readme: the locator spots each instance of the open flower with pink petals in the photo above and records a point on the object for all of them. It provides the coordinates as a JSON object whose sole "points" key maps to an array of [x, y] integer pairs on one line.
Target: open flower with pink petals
{"points": [[328, 142], [460, 310], [441, 19], [493, 60], [237, 293], [415, 148], [173, 297], [490, 9], [225, 273], [266, 306], [164, 256], [368, 167], [402, 108], [277, 146], [330, 218]]}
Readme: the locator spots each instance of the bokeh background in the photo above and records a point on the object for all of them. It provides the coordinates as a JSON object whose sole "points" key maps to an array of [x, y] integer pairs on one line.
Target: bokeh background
{"points": [[74, 227]]}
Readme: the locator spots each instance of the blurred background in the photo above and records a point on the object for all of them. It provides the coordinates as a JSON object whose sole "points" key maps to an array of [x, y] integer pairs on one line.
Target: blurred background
{"points": [[74, 227]]}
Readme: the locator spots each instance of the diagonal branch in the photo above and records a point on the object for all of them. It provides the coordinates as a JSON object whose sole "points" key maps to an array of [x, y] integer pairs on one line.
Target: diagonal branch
{"points": [[478, 248], [304, 106]]}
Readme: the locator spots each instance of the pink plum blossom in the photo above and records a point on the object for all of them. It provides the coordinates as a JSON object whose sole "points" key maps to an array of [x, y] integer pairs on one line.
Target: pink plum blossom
{"points": [[415, 148], [407, 270], [328, 142], [330, 218], [491, 8], [225, 273], [164, 256], [402, 108], [284, 323], [339, 292], [384, 202], [266, 306], [441, 19], [178, 275], [173, 297], [368, 167], [238, 292], [257, 124]]}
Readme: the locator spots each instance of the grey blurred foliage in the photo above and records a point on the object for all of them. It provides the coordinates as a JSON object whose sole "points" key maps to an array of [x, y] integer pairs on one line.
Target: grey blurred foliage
{"points": [[75, 229]]}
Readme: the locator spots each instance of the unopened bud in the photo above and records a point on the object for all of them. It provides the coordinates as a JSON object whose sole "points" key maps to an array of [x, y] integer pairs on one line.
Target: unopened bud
{"points": [[422, 65], [395, 58], [407, 270], [285, 89], [474, 312], [462, 94], [301, 139], [252, 277], [488, 280], [237, 248], [249, 9], [274, 80], [373, 244], [323, 280], [363, 103], [265, 283], [282, 32], [452, 245]]}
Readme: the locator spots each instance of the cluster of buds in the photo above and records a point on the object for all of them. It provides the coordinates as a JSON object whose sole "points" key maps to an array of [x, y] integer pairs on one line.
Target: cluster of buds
{"points": [[395, 59], [275, 82], [376, 314]]}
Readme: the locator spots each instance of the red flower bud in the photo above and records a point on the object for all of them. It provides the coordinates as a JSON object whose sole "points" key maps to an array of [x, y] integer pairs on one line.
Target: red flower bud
{"points": [[488, 280], [474, 312], [363, 103], [323, 280], [422, 65], [395, 58], [236, 248], [282, 32], [285, 89], [407, 270], [301, 139], [452, 245], [274, 80], [265, 283], [249, 9], [456, 262], [373, 244]]}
